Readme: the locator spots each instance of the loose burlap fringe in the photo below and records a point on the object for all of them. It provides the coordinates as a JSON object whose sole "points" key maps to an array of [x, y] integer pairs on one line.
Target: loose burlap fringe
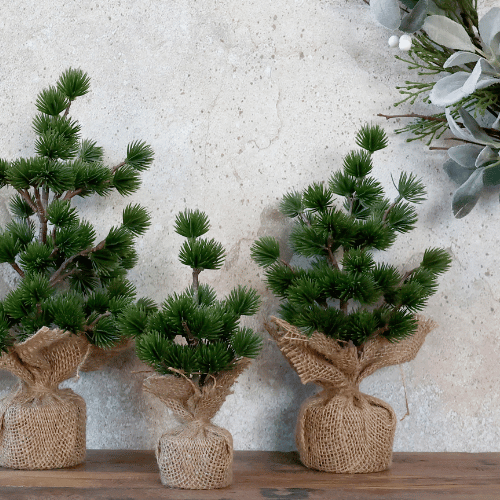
{"points": [[42, 426], [341, 429], [196, 455]]}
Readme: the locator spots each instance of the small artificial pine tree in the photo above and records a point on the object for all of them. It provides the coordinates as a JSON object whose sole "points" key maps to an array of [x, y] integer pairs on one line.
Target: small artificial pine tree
{"points": [[194, 334], [68, 280], [343, 292]]}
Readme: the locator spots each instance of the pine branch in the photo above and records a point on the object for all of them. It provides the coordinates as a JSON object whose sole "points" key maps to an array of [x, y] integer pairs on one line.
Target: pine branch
{"points": [[58, 275], [76, 192], [116, 167], [414, 115], [490, 131], [92, 325], [191, 339], [27, 198], [66, 111], [331, 257], [17, 269], [42, 216], [71, 194]]}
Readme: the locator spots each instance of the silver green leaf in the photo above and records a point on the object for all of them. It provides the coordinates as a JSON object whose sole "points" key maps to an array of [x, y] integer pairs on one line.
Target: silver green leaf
{"points": [[444, 31], [457, 173], [459, 58], [465, 155], [414, 20], [386, 12], [489, 28], [467, 195], [487, 155]]}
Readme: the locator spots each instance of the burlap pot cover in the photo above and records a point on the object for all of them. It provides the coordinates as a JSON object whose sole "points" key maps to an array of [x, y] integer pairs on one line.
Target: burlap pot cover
{"points": [[42, 426], [196, 455], [341, 429]]}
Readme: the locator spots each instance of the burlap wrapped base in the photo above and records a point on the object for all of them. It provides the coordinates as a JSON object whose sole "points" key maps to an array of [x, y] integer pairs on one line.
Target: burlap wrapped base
{"points": [[346, 433], [341, 429], [196, 455], [42, 426]]}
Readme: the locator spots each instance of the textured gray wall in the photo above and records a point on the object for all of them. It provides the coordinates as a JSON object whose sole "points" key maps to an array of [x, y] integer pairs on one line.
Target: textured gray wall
{"points": [[241, 101]]}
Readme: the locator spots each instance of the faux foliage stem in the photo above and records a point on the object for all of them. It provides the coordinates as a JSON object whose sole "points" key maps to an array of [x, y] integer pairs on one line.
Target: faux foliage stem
{"points": [[57, 276]]}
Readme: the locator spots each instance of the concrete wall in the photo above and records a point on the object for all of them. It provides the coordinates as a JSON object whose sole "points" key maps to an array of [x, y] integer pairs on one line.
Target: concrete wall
{"points": [[242, 101]]}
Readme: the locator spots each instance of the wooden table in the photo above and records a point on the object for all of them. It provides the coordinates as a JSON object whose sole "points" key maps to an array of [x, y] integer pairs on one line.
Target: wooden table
{"points": [[130, 475]]}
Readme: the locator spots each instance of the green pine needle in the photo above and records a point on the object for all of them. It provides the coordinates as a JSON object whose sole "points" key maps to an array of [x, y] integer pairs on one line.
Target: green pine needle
{"points": [[23, 231], [136, 219], [202, 254], [60, 213], [90, 152], [372, 138], [73, 83], [244, 301], [126, 180], [246, 344], [20, 208], [358, 164], [51, 101], [36, 258], [191, 223], [317, 198], [291, 204], [265, 251], [436, 260], [410, 188], [133, 321], [139, 155]]}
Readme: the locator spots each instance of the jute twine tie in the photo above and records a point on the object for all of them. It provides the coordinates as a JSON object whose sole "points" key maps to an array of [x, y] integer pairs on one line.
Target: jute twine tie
{"points": [[41, 425], [196, 454], [342, 429]]}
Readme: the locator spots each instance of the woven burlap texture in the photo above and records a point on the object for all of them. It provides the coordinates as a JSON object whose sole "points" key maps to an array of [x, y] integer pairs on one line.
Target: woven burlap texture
{"points": [[97, 357], [41, 425], [196, 455], [341, 429]]}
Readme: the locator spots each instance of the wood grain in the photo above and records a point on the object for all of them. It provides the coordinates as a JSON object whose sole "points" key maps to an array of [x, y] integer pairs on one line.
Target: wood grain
{"points": [[130, 475]]}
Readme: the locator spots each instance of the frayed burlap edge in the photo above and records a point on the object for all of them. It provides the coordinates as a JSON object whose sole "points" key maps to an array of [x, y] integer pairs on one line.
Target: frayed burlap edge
{"points": [[196, 454], [42, 426], [341, 429]]}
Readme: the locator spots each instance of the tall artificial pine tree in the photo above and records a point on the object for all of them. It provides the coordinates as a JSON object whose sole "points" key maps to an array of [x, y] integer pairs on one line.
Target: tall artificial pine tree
{"points": [[344, 291], [67, 278]]}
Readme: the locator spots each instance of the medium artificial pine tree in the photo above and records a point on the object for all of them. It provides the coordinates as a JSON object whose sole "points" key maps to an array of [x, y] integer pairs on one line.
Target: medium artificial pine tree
{"points": [[193, 333], [344, 292], [67, 278]]}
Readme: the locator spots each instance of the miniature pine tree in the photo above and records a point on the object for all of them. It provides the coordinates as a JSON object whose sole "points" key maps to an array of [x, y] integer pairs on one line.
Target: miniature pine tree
{"points": [[67, 278], [344, 292], [212, 338]]}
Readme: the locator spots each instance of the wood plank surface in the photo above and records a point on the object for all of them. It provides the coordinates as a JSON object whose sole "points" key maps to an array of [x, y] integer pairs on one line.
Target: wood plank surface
{"points": [[130, 475]]}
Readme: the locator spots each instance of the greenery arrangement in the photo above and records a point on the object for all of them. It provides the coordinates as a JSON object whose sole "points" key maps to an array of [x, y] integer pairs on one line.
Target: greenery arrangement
{"points": [[193, 333], [451, 41], [343, 291], [67, 279]]}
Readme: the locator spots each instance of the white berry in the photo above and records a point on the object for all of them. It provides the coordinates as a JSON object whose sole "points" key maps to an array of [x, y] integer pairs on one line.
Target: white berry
{"points": [[393, 41], [405, 43]]}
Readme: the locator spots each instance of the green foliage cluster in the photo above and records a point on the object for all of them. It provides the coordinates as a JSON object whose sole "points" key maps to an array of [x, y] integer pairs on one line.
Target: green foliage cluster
{"points": [[428, 57], [343, 291], [194, 333], [68, 279]]}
